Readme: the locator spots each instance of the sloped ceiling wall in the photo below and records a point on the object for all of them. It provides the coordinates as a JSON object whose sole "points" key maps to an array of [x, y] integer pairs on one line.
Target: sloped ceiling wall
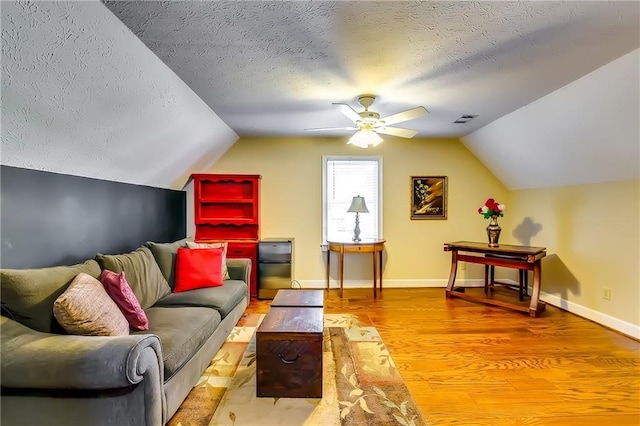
{"points": [[82, 95], [585, 132]]}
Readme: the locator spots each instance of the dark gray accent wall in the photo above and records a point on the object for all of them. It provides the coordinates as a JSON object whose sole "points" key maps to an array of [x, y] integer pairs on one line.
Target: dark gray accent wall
{"points": [[49, 219]]}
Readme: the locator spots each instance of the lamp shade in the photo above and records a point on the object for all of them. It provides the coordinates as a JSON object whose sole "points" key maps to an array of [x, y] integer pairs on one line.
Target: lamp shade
{"points": [[364, 138], [358, 205]]}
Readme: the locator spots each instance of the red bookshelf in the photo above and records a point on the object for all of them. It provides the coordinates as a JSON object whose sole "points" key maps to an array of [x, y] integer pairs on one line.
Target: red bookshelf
{"points": [[227, 209]]}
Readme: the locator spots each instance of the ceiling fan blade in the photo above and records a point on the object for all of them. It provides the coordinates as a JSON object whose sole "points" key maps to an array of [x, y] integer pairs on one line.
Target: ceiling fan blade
{"points": [[397, 131], [348, 111], [407, 115], [319, 129]]}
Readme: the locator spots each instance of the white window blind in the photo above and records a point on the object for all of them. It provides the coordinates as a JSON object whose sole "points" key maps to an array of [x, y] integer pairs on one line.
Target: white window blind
{"points": [[343, 179]]}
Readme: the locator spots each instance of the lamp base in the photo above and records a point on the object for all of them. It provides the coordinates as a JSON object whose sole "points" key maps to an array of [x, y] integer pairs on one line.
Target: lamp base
{"points": [[356, 230]]}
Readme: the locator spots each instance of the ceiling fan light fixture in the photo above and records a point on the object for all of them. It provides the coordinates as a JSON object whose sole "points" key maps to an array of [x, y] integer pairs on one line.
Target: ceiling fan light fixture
{"points": [[368, 123], [365, 138]]}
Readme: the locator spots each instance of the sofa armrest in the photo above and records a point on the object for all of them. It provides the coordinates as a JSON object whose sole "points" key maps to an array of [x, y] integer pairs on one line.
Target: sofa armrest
{"points": [[239, 269], [31, 359]]}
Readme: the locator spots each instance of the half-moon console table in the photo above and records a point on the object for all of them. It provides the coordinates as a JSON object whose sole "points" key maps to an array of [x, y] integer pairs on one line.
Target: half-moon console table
{"points": [[366, 246], [524, 258]]}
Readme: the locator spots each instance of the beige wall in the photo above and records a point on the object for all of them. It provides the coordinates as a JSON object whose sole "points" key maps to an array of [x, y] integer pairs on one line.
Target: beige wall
{"points": [[591, 231], [291, 195], [592, 235]]}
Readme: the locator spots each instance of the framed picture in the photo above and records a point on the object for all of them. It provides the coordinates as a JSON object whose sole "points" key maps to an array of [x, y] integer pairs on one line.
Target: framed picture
{"points": [[428, 197]]}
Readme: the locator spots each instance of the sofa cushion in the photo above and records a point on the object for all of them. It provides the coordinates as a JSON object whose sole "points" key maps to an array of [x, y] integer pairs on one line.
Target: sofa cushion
{"points": [[28, 294], [223, 299], [142, 271], [165, 255], [198, 269], [182, 332], [120, 292], [86, 309], [225, 271]]}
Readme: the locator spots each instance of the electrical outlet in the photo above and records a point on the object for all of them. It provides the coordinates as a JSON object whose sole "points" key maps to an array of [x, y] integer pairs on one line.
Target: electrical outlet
{"points": [[463, 266], [606, 293]]}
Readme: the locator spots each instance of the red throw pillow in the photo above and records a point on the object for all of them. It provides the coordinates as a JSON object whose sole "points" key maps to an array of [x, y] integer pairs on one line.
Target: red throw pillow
{"points": [[120, 292], [198, 268]]}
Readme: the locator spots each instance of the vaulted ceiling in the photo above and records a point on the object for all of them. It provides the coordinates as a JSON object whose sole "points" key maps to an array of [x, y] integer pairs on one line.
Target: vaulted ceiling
{"points": [[274, 68], [108, 89]]}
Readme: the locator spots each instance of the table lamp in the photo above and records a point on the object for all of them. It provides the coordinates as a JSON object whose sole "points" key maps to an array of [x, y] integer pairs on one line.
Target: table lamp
{"points": [[357, 206]]}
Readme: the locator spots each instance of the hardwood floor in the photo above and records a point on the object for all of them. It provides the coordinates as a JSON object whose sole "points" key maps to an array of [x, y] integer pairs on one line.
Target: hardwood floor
{"points": [[471, 364]]}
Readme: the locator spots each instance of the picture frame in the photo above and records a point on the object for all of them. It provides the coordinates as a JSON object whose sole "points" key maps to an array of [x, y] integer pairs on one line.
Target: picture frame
{"points": [[428, 197]]}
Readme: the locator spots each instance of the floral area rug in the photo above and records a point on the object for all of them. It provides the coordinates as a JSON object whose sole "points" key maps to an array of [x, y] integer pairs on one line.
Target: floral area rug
{"points": [[361, 385]]}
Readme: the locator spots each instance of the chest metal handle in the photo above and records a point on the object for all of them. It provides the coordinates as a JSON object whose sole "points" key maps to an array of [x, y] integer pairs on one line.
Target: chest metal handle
{"points": [[287, 361]]}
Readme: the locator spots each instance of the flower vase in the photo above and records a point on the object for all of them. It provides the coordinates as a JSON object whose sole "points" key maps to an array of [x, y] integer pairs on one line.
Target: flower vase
{"points": [[493, 231]]}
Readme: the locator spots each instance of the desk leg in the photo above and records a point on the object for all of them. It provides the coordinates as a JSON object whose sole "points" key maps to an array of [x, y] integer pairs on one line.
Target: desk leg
{"points": [[341, 270], [533, 306], [380, 269], [375, 276], [452, 272], [486, 279], [492, 276], [328, 267]]}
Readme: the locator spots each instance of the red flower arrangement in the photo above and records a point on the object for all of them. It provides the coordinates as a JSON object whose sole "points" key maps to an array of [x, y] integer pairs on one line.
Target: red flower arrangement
{"points": [[491, 208]]}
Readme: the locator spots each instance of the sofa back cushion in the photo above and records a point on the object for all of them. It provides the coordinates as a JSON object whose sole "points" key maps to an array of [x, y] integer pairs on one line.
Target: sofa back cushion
{"points": [[165, 255], [142, 271], [28, 294]]}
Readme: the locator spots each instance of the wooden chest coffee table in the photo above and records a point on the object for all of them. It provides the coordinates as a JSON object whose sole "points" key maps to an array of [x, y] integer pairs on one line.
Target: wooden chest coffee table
{"points": [[289, 353], [299, 298]]}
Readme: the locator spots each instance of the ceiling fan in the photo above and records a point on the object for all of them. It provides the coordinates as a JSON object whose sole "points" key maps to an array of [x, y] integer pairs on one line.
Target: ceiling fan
{"points": [[368, 123]]}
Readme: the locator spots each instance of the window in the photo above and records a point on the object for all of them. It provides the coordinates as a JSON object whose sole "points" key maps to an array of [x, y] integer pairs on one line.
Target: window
{"points": [[342, 179]]}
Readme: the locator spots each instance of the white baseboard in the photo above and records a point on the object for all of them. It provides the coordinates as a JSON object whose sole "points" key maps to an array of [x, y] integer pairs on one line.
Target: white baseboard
{"points": [[617, 324]]}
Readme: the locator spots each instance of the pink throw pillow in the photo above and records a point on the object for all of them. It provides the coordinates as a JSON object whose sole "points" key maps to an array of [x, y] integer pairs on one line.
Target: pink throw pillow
{"points": [[118, 288]]}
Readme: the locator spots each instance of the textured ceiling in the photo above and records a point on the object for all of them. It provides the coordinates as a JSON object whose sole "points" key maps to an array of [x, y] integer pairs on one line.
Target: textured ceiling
{"points": [[82, 94], [274, 68]]}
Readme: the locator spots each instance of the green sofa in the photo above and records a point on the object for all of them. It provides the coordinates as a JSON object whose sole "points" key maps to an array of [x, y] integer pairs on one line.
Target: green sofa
{"points": [[49, 377]]}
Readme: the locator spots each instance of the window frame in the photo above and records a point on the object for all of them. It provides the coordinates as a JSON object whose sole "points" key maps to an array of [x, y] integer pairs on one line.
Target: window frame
{"points": [[325, 160]]}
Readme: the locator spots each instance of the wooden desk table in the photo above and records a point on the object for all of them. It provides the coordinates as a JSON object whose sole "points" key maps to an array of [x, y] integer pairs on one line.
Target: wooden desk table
{"points": [[524, 258], [366, 246]]}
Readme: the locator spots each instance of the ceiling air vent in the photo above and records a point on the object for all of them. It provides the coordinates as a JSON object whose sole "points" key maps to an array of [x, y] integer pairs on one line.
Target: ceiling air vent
{"points": [[465, 119]]}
